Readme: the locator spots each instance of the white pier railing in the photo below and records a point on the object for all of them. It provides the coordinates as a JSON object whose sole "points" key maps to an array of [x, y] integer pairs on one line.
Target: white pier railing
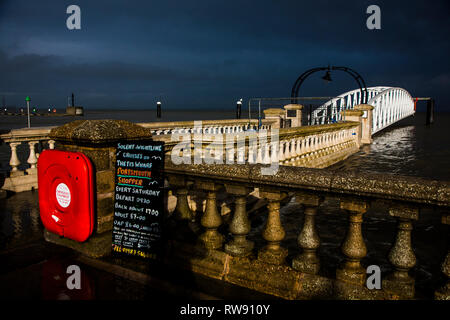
{"points": [[390, 104]]}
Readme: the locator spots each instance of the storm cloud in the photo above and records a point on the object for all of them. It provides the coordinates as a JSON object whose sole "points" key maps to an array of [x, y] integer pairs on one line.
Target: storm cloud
{"points": [[208, 54]]}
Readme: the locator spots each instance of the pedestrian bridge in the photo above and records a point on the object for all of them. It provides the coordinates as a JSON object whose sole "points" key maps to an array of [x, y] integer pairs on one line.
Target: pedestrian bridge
{"points": [[391, 104]]}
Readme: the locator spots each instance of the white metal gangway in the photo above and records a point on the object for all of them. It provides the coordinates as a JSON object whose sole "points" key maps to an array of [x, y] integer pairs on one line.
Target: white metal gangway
{"points": [[390, 104]]}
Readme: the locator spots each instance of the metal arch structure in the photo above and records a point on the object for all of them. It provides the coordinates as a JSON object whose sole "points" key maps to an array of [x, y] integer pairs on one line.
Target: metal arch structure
{"points": [[391, 104], [331, 111], [353, 73]]}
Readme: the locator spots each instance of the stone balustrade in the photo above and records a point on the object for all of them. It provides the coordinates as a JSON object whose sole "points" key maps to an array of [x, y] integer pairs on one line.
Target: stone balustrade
{"points": [[208, 126], [315, 146], [228, 255], [19, 180]]}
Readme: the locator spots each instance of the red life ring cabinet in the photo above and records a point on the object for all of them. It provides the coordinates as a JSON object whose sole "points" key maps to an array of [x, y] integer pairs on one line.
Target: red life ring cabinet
{"points": [[66, 193]]}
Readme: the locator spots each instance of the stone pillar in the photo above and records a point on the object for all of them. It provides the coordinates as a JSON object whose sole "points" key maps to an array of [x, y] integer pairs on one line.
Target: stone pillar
{"points": [[240, 224], [275, 114], [354, 115], [308, 239], [353, 247], [444, 292], [273, 232], [402, 255], [294, 113], [97, 139], [366, 122]]}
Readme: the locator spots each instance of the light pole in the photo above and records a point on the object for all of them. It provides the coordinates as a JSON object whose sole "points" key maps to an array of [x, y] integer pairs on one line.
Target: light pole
{"points": [[27, 99]]}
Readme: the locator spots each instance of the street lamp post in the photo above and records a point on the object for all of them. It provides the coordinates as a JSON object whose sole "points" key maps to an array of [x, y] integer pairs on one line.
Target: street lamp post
{"points": [[327, 77]]}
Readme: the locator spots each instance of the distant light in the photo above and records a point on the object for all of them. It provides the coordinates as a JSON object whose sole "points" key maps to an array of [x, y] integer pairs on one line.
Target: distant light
{"points": [[158, 102]]}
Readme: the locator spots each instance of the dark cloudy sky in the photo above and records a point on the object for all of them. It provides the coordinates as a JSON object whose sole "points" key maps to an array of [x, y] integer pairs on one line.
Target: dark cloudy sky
{"points": [[207, 54]]}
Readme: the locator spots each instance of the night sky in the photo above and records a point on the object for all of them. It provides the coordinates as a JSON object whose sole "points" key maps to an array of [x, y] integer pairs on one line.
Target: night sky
{"points": [[208, 54]]}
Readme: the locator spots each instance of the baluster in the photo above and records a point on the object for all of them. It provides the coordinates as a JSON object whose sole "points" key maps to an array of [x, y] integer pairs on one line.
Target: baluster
{"points": [[51, 144], [259, 154], [273, 231], [266, 159], [274, 153], [32, 159], [402, 256], [444, 292], [240, 224], [353, 246], [293, 153], [241, 154], [308, 239], [14, 162], [230, 155], [251, 157], [287, 152], [211, 219], [308, 144], [281, 156], [182, 210], [303, 147], [312, 143], [298, 149]]}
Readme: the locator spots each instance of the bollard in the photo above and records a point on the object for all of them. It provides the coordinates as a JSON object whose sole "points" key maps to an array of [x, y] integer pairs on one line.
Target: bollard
{"points": [[158, 109], [238, 109]]}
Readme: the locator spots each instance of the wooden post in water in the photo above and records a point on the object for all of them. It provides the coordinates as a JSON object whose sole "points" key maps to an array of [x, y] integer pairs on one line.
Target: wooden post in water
{"points": [[430, 111]]}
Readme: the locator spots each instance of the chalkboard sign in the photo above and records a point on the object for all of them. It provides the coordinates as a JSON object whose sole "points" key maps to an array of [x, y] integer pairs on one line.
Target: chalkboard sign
{"points": [[139, 198]]}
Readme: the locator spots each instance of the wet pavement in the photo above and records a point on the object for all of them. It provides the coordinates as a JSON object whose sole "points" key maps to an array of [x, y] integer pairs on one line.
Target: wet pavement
{"points": [[31, 268]]}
